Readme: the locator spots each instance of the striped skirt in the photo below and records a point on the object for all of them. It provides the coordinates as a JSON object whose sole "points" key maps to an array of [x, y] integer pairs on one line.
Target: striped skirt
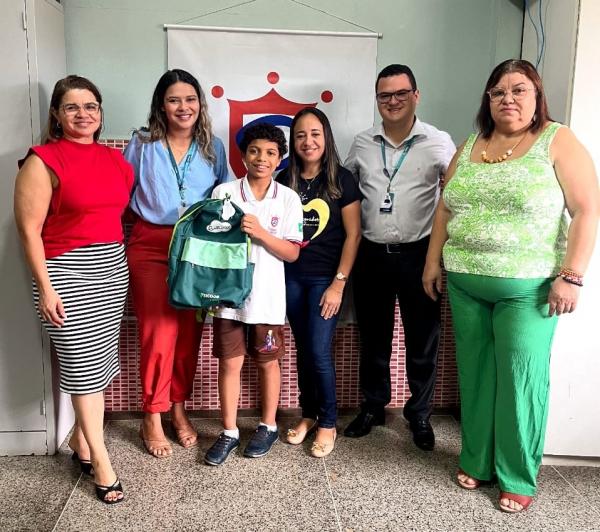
{"points": [[92, 283]]}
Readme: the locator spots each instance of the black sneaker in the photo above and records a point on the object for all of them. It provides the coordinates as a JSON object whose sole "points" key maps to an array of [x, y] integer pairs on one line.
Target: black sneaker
{"points": [[261, 442], [221, 449]]}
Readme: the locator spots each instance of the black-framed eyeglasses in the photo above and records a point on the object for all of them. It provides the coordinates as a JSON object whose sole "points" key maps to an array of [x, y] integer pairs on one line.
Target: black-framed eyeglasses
{"points": [[72, 109], [399, 96], [518, 93]]}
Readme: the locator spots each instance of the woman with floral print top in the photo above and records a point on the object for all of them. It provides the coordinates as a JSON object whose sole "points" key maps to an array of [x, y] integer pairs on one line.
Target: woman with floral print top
{"points": [[514, 265]]}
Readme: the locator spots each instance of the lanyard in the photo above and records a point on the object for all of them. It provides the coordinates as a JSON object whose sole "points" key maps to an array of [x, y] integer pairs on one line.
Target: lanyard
{"points": [[181, 175], [386, 172]]}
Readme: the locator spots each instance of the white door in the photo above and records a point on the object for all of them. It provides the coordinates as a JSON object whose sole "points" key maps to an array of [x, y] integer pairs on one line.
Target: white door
{"points": [[22, 418], [574, 417]]}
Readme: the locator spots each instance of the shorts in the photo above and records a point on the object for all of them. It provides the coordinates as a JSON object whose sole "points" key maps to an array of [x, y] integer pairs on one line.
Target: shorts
{"points": [[232, 338]]}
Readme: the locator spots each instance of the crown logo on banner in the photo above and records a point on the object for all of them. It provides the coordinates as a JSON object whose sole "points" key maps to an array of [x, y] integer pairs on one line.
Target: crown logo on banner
{"points": [[273, 108]]}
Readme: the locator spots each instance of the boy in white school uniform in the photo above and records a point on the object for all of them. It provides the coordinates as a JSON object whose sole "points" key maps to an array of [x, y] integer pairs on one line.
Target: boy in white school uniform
{"points": [[273, 221]]}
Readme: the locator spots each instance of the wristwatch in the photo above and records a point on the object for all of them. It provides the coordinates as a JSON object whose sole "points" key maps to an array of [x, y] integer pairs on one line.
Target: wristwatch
{"points": [[341, 277]]}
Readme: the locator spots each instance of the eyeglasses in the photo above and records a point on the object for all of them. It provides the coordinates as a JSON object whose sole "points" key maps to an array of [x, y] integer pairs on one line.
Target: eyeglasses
{"points": [[518, 93], [399, 96], [71, 109]]}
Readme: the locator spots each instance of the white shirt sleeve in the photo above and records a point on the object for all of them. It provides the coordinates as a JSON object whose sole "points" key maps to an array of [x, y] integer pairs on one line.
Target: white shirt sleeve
{"points": [[293, 217]]}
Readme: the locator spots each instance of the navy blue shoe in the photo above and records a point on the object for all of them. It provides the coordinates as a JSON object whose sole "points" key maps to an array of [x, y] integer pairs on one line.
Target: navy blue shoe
{"points": [[221, 449], [261, 442]]}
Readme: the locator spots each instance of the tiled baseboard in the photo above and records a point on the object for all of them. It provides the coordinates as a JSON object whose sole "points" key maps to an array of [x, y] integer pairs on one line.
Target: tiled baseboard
{"points": [[124, 395]]}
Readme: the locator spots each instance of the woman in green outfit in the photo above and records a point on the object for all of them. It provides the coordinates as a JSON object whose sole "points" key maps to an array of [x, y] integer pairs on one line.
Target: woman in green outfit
{"points": [[514, 265]]}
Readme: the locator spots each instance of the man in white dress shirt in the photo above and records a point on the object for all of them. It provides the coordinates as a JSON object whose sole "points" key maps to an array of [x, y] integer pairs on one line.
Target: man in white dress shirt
{"points": [[398, 165]]}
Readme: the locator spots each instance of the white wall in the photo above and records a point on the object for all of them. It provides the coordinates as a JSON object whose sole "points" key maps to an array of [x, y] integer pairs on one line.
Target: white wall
{"points": [[574, 422], [557, 64], [452, 45]]}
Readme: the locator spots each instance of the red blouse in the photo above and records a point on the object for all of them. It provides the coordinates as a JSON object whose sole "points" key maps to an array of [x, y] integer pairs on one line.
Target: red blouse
{"points": [[95, 183]]}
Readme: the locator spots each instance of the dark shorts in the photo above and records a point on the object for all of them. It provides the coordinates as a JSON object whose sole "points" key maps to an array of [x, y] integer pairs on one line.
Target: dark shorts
{"points": [[233, 338]]}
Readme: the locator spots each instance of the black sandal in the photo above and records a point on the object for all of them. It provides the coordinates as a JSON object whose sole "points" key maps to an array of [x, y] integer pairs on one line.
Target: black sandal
{"points": [[86, 465], [103, 491]]}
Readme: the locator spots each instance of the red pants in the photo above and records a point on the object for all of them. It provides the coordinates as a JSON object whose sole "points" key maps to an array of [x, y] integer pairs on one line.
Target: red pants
{"points": [[169, 338]]}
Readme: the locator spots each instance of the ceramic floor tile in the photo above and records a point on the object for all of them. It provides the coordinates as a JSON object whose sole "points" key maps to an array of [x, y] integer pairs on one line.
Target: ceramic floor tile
{"points": [[34, 490], [586, 480], [383, 482], [379, 482], [286, 490]]}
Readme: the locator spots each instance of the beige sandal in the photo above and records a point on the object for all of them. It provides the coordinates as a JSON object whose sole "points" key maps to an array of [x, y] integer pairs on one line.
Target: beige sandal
{"points": [[153, 446], [184, 433]]}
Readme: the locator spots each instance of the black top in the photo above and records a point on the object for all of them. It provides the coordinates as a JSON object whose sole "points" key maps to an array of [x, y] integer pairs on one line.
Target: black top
{"points": [[324, 232]]}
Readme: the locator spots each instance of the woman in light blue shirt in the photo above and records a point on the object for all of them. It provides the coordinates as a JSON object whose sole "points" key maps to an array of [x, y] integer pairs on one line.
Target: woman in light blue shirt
{"points": [[177, 162]]}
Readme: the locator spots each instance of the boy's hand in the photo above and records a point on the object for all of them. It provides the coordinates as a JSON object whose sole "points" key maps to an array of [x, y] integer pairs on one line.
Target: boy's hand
{"points": [[251, 226]]}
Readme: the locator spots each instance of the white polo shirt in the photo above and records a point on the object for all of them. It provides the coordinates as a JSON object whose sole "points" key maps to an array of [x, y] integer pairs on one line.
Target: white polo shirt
{"points": [[280, 212]]}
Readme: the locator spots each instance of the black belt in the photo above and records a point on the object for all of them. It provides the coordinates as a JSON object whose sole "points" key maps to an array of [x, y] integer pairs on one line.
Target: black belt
{"points": [[400, 247]]}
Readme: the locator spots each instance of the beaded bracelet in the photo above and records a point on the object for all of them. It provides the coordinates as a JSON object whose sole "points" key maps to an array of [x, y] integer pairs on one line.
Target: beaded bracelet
{"points": [[569, 271], [570, 276]]}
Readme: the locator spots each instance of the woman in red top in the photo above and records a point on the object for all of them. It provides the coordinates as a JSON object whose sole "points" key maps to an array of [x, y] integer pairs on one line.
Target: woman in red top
{"points": [[69, 197]]}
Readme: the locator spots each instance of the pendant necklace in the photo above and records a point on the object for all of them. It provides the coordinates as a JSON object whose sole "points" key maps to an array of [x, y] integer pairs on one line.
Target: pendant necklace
{"points": [[309, 182], [502, 157]]}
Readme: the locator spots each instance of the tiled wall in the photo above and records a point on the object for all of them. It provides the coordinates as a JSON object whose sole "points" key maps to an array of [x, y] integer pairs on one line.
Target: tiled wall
{"points": [[124, 393]]}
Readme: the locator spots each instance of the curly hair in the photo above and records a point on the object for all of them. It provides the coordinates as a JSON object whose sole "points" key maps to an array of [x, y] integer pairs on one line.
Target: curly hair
{"points": [[157, 121], [264, 131]]}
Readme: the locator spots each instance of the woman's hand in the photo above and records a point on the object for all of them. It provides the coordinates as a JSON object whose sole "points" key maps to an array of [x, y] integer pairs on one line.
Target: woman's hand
{"points": [[51, 308], [331, 301], [563, 297], [432, 279]]}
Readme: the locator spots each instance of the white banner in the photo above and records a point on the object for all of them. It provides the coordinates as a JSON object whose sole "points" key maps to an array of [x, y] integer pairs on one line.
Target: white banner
{"points": [[265, 75]]}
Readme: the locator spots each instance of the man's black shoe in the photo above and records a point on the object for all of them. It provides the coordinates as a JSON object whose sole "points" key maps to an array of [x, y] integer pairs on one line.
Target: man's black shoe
{"points": [[361, 425], [423, 435]]}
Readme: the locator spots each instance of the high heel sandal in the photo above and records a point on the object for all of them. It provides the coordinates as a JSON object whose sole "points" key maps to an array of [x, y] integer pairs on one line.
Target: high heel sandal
{"points": [[185, 433], [103, 491], [295, 437], [85, 465], [153, 446], [464, 484]]}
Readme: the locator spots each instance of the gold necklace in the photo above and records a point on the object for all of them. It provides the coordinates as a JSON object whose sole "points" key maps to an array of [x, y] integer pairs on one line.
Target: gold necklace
{"points": [[502, 157]]}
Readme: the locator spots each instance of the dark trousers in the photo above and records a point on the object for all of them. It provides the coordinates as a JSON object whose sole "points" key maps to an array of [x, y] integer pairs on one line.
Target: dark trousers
{"points": [[313, 336], [383, 273]]}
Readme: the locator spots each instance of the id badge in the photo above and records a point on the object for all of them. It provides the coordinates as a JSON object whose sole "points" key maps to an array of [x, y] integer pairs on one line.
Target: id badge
{"points": [[387, 203], [181, 209]]}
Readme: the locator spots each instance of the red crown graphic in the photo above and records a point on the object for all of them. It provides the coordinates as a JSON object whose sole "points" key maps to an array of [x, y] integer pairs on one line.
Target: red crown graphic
{"points": [[272, 103]]}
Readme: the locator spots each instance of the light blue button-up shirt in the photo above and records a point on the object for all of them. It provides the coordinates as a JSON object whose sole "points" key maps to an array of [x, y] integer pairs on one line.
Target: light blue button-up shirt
{"points": [[155, 196]]}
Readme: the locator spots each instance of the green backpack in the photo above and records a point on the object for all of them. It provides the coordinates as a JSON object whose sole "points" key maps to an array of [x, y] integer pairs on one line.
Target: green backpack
{"points": [[209, 257]]}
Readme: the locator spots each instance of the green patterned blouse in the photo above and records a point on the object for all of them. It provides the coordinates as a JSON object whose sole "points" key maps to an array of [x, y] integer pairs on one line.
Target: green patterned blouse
{"points": [[507, 219]]}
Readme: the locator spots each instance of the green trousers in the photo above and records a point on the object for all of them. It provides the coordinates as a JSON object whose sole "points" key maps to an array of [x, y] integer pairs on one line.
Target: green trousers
{"points": [[503, 339]]}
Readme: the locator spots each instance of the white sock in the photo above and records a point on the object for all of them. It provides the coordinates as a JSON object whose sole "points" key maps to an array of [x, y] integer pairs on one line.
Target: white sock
{"points": [[232, 433], [270, 428]]}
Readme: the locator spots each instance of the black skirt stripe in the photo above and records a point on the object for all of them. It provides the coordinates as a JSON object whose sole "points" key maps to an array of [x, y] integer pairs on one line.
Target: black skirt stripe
{"points": [[92, 283]]}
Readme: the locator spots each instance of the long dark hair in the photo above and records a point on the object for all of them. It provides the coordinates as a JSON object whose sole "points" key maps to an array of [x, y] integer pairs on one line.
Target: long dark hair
{"points": [[484, 120], [329, 162], [64, 85], [157, 121]]}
